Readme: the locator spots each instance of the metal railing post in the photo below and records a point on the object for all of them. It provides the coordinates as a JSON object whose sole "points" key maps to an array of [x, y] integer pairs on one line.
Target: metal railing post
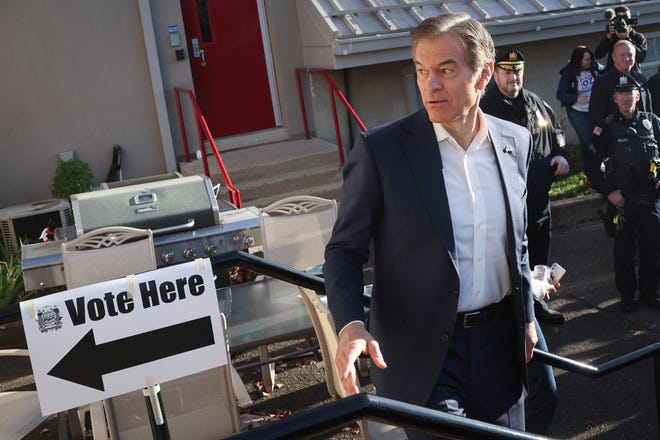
{"points": [[333, 89], [203, 131], [301, 99], [335, 120], [182, 127]]}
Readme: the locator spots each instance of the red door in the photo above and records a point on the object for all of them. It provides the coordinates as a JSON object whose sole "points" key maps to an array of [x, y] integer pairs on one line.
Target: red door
{"points": [[228, 65]]}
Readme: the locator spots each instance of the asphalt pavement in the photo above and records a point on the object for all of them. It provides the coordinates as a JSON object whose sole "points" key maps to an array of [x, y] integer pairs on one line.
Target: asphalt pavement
{"points": [[621, 405]]}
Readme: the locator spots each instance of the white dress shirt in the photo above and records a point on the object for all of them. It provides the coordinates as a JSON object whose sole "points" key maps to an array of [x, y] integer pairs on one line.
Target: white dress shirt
{"points": [[478, 216]]}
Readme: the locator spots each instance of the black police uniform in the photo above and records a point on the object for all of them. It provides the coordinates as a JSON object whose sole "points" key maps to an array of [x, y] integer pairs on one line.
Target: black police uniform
{"points": [[627, 147], [530, 111]]}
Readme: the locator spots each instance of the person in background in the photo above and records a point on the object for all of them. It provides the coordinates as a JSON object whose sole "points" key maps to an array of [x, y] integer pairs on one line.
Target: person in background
{"points": [[626, 144], [619, 28], [508, 100], [438, 196], [574, 91], [654, 89], [602, 102]]}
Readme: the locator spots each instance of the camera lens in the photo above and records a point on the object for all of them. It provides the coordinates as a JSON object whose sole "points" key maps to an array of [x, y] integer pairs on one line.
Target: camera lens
{"points": [[621, 26]]}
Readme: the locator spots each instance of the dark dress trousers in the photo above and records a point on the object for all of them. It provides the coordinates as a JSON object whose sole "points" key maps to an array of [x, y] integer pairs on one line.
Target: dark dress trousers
{"points": [[395, 205]]}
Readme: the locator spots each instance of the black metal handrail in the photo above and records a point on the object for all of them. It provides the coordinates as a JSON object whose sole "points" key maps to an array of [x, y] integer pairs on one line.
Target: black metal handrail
{"points": [[360, 406], [268, 267]]}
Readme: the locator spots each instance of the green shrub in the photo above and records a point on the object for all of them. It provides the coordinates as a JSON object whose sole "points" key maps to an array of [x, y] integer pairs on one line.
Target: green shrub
{"points": [[71, 177], [11, 277], [575, 183]]}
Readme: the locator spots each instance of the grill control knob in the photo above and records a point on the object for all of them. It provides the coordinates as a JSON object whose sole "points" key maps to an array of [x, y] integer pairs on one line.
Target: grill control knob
{"points": [[210, 250], [250, 241], [167, 257], [189, 254]]}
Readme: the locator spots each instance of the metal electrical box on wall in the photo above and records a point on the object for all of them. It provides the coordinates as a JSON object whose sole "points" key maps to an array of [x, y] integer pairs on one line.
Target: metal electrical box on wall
{"points": [[175, 41]]}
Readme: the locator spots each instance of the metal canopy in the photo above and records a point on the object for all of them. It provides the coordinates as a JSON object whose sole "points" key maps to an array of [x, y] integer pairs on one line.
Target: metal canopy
{"points": [[349, 33]]}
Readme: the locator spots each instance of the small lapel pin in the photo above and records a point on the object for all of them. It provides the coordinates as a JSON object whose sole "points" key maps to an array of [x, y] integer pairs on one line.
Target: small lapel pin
{"points": [[508, 149]]}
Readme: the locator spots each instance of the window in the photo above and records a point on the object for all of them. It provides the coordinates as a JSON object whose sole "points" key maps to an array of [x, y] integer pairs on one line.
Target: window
{"points": [[652, 60]]}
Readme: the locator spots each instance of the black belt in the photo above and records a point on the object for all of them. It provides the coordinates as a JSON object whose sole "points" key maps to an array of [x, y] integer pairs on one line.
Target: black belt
{"points": [[477, 317]]}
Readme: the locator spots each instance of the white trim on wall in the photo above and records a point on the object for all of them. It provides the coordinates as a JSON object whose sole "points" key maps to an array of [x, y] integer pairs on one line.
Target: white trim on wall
{"points": [[157, 85], [270, 67]]}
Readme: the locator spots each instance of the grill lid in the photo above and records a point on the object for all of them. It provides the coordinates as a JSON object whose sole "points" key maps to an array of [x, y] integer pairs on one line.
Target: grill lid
{"points": [[162, 206]]}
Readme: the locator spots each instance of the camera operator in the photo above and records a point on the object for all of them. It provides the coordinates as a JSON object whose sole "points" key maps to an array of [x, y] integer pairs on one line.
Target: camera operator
{"points": [[619, 28], [602, 102]]}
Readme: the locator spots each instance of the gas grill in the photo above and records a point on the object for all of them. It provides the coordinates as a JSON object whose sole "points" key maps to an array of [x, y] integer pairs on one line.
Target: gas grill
{"points": [[186, 219]]}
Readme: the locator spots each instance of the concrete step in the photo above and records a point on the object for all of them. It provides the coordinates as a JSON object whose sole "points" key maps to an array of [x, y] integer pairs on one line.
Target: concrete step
{"points": [[270, 172], [289, 180], [328, 189], [576, 210]]}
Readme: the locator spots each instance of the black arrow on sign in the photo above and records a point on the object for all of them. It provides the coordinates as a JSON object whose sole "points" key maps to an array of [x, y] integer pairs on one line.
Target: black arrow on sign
{"points": [[87, 362]]}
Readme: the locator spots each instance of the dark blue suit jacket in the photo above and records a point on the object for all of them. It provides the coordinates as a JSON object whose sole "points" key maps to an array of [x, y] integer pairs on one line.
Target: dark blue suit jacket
{"points": [[394, 200]]}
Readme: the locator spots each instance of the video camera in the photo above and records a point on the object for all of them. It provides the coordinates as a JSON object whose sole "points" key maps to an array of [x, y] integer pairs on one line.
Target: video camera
{"points": [[621, 20]]}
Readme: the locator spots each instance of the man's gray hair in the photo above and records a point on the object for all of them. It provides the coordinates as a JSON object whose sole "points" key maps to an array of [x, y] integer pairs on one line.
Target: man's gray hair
{"points": [[474, 37]]}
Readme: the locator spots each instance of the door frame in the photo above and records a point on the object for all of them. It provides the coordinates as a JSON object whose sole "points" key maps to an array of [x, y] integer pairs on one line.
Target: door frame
{"points": [[270, 65]]}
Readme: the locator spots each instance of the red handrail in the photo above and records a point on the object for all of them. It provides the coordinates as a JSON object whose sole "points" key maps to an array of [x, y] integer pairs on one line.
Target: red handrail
{"points": [[332, 87], [203, 131]]}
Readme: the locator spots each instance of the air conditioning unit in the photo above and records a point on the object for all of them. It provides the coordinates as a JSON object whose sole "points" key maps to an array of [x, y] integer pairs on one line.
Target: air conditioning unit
{"points": [[26, 223]]}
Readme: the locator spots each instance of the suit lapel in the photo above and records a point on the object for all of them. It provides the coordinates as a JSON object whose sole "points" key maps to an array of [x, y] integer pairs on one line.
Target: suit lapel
{"points": [[420, 146], [507, 152]]}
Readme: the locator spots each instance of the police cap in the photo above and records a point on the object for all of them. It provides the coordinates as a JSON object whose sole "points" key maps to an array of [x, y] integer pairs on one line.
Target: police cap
{"points": [[625, 83], [510, 60]]}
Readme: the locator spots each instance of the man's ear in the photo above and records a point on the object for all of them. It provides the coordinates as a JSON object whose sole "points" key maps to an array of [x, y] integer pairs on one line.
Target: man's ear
{"points": [[485, 75]]}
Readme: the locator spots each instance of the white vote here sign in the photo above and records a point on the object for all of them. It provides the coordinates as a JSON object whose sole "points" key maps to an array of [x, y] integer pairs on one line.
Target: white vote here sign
{"points": [[102, 340]]}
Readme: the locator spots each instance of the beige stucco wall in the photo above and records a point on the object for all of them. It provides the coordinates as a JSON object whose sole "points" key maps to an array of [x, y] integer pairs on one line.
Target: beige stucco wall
{"points": [[74, 77]]}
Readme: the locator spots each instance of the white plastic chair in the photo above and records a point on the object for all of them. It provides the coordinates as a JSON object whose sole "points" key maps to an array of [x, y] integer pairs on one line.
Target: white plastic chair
{"points": [[106, 254], [20, 412], [115, 252], [101, 255], [199, 407], [296, 229], [294, 232], [324, 328]]}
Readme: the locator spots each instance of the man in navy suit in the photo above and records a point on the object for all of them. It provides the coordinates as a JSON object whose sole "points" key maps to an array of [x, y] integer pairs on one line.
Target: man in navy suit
{"points": [[439, 198]]}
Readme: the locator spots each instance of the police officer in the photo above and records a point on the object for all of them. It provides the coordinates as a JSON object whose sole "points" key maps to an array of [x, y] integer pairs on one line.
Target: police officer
{"points": [[507, 99], [626, 144]]}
